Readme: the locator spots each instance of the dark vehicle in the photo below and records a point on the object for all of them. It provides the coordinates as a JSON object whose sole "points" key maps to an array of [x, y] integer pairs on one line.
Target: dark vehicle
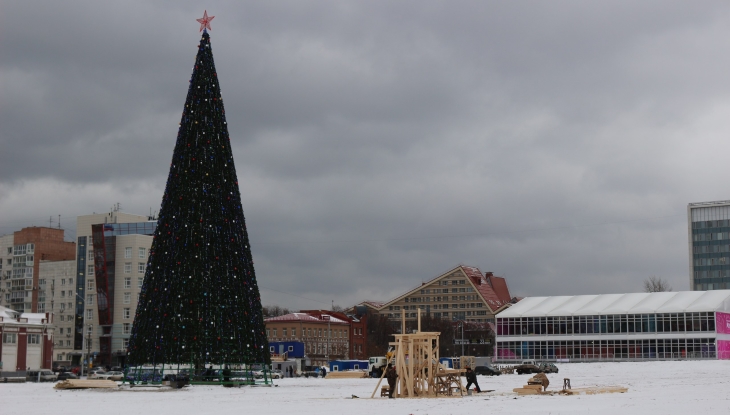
{"points": [[486, 370], [547, 368], [528, 367], [60, 369], [66, 376], [310, 371]]}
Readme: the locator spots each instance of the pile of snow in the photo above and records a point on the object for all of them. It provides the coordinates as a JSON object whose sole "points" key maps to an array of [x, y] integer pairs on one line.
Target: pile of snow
{"points": [[654, 388]]}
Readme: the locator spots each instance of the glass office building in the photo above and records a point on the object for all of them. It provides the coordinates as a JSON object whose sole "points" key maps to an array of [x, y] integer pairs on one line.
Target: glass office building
{"points": [[640, 326], [709, 245]]}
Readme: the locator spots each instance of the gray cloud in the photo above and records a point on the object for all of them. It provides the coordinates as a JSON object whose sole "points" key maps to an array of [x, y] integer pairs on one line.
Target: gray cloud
{"points": [[379, 144]]}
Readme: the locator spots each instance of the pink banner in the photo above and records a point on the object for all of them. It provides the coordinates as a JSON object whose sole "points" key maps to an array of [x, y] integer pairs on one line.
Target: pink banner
{"points": [[723, 349], [722, 322]]}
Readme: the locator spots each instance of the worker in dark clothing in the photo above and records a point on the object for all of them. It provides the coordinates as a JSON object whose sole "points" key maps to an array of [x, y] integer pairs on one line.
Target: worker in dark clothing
{"points": [[471, 377], [392, 377]]}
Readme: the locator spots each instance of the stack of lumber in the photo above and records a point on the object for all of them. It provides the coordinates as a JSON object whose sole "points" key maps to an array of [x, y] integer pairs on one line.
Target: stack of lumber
{"points": [[86, 384], [529, 390], [594, 390], [347, 374]]}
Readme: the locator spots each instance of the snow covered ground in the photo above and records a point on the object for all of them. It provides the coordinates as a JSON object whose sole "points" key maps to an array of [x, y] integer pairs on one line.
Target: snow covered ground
{"points": [[687, 387]]}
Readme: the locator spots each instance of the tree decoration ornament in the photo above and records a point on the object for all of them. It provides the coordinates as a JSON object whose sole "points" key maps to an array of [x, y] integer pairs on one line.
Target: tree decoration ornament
{"points": [[196, 307], [205, 25]]}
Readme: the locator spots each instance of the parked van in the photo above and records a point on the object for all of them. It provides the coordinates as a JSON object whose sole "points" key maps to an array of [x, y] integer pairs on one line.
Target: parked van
{"points": [[43, 375]]}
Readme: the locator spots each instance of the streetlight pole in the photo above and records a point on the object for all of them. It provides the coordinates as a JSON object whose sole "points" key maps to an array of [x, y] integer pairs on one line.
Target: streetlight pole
{"points": [[462, 338]]}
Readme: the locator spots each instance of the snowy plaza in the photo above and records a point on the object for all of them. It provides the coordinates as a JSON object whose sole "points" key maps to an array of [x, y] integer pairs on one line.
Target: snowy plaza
{"points": [[663, 387]]}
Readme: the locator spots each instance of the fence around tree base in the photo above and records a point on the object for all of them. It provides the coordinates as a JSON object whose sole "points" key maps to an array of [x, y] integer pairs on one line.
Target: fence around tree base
{"points": [[179, 375]]}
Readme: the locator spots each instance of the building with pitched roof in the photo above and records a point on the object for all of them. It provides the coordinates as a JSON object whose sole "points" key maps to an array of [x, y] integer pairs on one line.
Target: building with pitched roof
{"points": [[636, 326], [26, 341], [462, 293], [325, 336]]}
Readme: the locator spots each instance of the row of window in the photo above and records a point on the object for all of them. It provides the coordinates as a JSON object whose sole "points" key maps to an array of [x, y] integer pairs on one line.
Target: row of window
{"points": [[12, 338], [710, 224], [712, 236], [711, 286], [23, 249], [445, 298], [607, 349], [722, 273], [308, 332], [437, 306], [446, 291], [619, 323], [710, 249], [701, 262], [141, 252]]}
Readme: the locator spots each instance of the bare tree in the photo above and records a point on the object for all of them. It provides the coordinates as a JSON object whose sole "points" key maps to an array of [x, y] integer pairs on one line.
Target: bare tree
{"points": [[655, 285], [274, 311]]}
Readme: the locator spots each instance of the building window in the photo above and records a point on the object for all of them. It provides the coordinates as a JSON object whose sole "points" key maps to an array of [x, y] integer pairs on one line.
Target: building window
{"points": [[90, 269], [141, 267], [68, 343], [267, 333], [127, 267], [90, 299], [63, 293], [34, 339], [283, 332], [293, 332], [126, 313], [143, 253], [91, 255], [89, 314], [127, 298], [59, 356], [274, 332], [70, 293], [127, 282], [127, 328], [139, 282], [10, 338], [125, 343], [128, 252], [90, 285]]}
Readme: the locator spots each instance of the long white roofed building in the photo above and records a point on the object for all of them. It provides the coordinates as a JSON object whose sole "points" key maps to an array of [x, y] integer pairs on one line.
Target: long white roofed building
{"points": [[637, 326]]}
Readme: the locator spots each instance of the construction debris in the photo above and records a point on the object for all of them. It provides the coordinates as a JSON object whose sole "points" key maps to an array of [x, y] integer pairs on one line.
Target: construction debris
{"points": [[86, 384]]}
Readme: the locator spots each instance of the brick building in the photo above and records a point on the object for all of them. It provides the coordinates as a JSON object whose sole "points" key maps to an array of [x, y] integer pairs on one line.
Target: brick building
{"points": [[358, 331], [21, 254], [26, 341], [325, 336]]}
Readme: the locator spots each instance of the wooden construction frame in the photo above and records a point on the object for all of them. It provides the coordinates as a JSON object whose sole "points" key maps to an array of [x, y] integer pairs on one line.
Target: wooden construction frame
{"points": [[416, 360]]}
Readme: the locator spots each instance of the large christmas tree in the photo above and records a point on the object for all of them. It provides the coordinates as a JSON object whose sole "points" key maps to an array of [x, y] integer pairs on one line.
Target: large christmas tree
{"points": [[200, 303]]}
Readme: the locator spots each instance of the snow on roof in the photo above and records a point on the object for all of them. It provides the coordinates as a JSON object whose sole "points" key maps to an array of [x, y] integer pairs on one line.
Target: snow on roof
{"points": [[10, 316], [632, 303], [304, 318]]}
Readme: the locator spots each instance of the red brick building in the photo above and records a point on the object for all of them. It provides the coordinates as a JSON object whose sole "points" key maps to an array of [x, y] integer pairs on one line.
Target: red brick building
{"points": [[22, 255], [358, 331], [26, 340], [327, 335]]}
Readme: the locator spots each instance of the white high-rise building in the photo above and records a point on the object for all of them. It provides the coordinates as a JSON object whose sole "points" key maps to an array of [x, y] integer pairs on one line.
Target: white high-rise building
{"points": [[111, 259], [57, 296]]}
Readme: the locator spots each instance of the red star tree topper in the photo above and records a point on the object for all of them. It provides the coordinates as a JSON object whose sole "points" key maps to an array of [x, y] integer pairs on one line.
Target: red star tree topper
{"points": [[205, 21]]}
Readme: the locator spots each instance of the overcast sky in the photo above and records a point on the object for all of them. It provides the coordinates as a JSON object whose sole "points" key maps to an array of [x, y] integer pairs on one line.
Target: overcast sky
{"points": [[379, 144]]}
